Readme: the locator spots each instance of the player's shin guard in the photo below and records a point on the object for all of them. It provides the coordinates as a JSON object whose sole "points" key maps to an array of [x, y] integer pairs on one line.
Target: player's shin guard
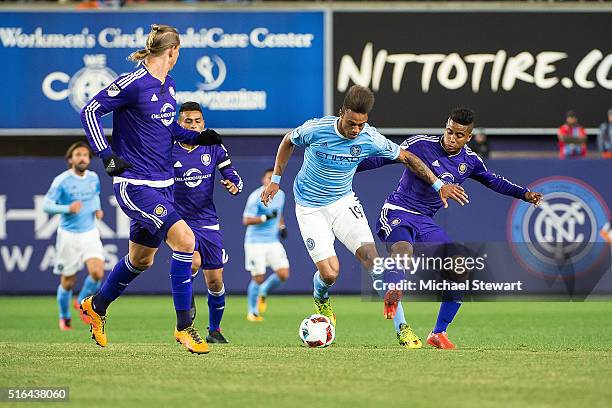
{"points": [[216, 307], [448, 309], [63, 301], [90, 286], [120, 277], [321, 289], [180, 276], [252, 293], [270, 284]]}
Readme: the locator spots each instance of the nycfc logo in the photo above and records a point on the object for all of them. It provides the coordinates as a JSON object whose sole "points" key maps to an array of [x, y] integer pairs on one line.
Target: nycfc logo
{"points": [[83, 85], [213, 71], [205, 159], [160, 211], [310, 244], [355, 150], [562, 231], [462, 168]]}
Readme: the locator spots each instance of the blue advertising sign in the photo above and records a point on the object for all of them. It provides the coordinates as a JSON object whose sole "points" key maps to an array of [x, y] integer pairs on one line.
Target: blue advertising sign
{"points": [[248, 70]]}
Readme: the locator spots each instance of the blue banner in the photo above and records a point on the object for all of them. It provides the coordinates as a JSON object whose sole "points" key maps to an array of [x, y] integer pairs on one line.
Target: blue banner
{"points": [[247, 69], [575, 213]]}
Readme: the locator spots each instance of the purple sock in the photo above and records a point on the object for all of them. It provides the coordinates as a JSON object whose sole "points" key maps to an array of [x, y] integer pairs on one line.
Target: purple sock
{"points": [[116, 282], [180, 276], [216, 307], [447, 313]]}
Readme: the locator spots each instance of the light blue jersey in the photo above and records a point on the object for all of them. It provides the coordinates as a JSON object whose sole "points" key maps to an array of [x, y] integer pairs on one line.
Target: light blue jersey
{"points": [[68, 187], [330, 159], [265, 232]]}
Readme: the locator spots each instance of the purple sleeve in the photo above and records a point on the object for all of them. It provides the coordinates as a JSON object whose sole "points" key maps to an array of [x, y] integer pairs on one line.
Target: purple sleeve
{"points": [[184, 135], [226, 168], [111, 98], [372, 163], [496, 182]]}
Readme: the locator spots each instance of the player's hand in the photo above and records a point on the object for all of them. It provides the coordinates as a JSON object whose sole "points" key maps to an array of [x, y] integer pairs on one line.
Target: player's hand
{"points": [[99, 214], [209, 137], [534, 197], [269, 192], [454, 192], [230, 187], [283, 232], [115, 165], [75, 207]]}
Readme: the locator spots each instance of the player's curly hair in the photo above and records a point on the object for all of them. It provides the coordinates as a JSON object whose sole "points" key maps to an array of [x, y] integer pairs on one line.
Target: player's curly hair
{"points": [[161, 38], [359, 99], [462, 115]]}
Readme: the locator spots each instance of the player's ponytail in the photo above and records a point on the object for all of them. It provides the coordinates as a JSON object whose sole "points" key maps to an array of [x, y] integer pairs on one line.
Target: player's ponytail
{"points": [[161, 38]]}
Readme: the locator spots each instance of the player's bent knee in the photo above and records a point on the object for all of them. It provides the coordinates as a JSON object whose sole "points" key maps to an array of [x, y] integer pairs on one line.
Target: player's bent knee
{"points": [[283, 274], [181, 238], [259, 279], [402, 248]]}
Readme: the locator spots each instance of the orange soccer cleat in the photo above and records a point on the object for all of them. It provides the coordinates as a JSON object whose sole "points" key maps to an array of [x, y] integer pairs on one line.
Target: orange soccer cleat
{"points": [[392, 298], [65, 324], [440, 340]]}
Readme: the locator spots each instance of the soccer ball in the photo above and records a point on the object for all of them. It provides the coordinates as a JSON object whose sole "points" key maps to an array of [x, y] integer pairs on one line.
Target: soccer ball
{"points": [[317, 331]]}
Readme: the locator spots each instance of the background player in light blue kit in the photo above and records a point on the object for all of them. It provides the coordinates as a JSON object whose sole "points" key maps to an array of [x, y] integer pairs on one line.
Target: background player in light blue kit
{"points": [[326, 206], [75, 194], [406, 216], [194, 182], [262, 248]]}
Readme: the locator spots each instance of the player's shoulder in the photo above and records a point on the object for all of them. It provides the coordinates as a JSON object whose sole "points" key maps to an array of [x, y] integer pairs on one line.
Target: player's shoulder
{"points": [[132, 80], [316, 124], [255, 193], [424, 140], [62, 177], [471, 156], [91, 174]]}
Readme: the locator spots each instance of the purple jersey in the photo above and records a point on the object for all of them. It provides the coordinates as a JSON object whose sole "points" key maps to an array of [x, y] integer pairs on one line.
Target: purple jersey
{"points": [[194, 176], [417, 196], [143, 126]]}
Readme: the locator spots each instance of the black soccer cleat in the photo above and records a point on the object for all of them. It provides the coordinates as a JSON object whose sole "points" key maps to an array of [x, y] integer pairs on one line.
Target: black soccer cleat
{"points": [[216, 337]]}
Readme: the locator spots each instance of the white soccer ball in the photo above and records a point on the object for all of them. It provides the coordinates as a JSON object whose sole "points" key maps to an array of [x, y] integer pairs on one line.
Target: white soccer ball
{"points": [[317, 331]]}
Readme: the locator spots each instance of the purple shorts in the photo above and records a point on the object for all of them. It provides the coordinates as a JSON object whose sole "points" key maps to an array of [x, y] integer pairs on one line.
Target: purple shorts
{"points": [[209, 243], [397, 225], [151, 211]]}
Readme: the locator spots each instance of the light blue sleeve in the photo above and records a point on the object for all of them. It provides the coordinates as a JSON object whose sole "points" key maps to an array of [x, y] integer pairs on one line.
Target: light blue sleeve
{"points": [[250, 210], [50, 205], [302, 135], [383, 147], [97, 204]]}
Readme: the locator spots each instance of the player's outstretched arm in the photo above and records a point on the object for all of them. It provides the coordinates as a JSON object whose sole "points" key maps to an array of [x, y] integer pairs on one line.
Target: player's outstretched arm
{"points": [[504, 186], [207, 137], [372, 163], [285, 150], [446, 191], [231, 179]]}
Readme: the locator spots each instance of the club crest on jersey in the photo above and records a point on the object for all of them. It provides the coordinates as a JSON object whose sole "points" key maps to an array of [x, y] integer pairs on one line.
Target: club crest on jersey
{"points": [[113, 90], [160, 211], [395, 221], [356, 150], [310, 244], [462, 168], [205, 159]]}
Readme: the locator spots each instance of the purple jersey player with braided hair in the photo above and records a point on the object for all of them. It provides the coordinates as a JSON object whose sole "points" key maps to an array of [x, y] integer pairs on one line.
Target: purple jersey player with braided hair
{"points": [[406, 216], [194, 182], [140, 161]]}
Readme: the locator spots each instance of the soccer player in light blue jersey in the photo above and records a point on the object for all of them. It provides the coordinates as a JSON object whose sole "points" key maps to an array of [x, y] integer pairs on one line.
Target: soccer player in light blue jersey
{"points": [[262, 247], [326, 207], [75, 194]]}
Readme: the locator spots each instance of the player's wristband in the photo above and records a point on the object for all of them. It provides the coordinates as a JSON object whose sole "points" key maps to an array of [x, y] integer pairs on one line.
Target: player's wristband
{"points": [[276, 178], [437, 185], [263, 218]]}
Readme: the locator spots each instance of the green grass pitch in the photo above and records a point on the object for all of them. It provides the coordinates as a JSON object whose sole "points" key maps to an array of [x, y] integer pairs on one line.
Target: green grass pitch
{"points": [[522, 354]]}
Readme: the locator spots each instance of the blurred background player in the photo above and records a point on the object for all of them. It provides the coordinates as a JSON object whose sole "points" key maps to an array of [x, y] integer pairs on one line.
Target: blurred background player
{"points": [[572, 138], [262, 248], [604, 137], [194, 182], [407, 215], [75, 194], [326, 206], [143, 105]]}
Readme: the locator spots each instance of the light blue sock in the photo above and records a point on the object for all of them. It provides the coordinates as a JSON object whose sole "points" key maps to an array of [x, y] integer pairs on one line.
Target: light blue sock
{"points": [[252, 293], [63, 301], [321, 288], [90, 286], [399, 316], [270, 284]]}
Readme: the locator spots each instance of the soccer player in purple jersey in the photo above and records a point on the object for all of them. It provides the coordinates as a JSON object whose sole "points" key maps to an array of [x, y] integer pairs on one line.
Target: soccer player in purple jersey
{"points": [[407, 215], [194, 181], [143, 105]]}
